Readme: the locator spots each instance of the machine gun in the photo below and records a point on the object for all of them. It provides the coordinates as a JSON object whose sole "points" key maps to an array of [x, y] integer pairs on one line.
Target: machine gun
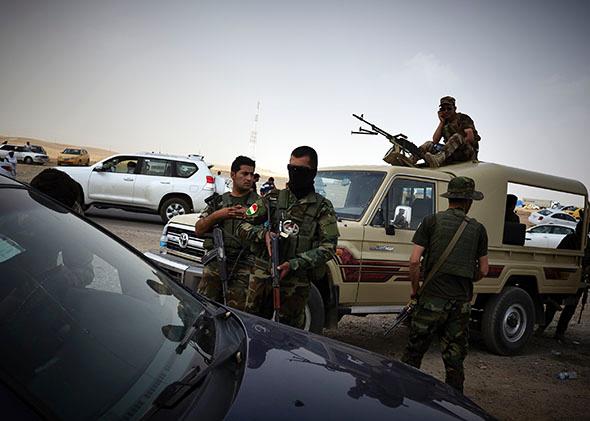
{"points": [[219, 248], [403, 315], [402, 147], [276, 277]]}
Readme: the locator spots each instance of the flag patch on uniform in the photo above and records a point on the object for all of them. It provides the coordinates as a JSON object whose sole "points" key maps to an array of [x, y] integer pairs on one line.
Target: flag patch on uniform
{"points": [[252, 210]]}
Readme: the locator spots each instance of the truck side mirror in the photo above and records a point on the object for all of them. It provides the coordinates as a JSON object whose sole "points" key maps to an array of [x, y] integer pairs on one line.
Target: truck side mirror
{"points": [[389, 229]]}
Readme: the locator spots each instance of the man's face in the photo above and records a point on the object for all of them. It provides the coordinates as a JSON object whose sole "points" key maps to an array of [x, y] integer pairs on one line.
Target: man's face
{"points": [[242, 179], [448, 110]]}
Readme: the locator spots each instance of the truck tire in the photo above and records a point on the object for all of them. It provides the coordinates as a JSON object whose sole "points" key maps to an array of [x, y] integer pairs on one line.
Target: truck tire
{"points": [[314, 311], [172, 207], [508, 321], [28, 160]]}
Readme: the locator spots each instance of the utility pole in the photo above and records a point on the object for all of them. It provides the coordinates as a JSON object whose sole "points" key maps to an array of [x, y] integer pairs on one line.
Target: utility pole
{"points": [[254, 133]]}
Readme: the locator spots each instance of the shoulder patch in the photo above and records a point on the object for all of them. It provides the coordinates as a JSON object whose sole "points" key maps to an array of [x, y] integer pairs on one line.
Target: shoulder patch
{"points": [[252, 210]]}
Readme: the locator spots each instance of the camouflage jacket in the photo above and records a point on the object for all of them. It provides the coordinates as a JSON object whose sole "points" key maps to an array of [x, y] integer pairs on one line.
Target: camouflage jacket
{"points": [[309, 227], [458, 125]]}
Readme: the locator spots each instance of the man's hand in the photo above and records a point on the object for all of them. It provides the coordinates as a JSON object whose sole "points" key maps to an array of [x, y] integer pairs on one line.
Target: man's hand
{"points": [[233, 212], [283, 269], [441, 116]]}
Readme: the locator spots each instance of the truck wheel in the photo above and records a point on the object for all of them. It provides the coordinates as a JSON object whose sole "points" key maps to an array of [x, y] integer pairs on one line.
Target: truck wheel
{"points": [[314, 311], [508, 321], [172, 207], [28, 160]]}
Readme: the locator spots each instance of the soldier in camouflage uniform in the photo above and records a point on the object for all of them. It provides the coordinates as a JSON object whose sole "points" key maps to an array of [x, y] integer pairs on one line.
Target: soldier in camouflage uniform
{"points": [[308, 232], [227, 210], [459, 134], [443, 305]]}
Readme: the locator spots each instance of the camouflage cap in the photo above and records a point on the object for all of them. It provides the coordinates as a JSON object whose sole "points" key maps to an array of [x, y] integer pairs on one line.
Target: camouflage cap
{"points": [[447, 100], [462, 188]]}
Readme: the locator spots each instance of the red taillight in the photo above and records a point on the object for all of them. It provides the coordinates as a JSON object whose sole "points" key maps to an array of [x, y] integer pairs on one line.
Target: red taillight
{"points": [[210, 179], [345, 256]]}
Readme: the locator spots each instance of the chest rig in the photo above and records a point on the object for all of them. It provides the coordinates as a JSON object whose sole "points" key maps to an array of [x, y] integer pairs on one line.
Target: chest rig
{"points": [[296, 222]]}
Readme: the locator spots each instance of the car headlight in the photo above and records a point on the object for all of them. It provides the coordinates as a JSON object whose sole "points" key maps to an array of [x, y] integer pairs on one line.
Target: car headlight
{"points": [[164, 237]]}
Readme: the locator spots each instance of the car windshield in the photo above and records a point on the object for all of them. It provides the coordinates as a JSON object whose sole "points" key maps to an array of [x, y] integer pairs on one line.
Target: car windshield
{"points": [[88, 329], [545, 212], [72, 151], [38, 149], [349, 191]]}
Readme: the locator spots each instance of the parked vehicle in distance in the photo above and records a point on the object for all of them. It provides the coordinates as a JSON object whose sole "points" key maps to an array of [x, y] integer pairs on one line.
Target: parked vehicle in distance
{"points": [[548, 216], [167, 185], [573, 211], [85, 315], [73, 156], [547, 235], [24, 154]]}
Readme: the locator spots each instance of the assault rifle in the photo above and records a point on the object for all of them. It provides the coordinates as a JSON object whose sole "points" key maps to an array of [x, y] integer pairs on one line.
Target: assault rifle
{"points": [[276, 277], [403, 315], [219, 248], [399, 141]]}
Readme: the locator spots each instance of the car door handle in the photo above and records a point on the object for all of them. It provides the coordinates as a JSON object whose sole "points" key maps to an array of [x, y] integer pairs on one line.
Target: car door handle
{"points": [[164, 182], [129, 179]]}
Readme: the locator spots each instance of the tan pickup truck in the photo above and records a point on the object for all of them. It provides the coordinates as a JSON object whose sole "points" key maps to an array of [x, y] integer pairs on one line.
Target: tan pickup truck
{"points": [[379, 209]]}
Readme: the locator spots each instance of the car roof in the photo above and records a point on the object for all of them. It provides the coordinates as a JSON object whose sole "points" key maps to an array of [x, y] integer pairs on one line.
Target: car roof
{"points": [[194, 158], [551, 225]]}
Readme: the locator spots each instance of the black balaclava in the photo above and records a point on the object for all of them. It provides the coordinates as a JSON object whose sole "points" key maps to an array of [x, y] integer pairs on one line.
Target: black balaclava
{"points": [[301, 180]]}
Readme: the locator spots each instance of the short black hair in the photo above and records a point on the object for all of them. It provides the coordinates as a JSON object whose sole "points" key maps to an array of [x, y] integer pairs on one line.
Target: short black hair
{"points": [[271, 179], [57, 185], [242, 160], [308, 151]]}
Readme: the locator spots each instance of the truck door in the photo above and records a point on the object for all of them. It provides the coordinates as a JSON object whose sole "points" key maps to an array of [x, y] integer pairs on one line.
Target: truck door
{"points": [[115, 182], [387, 243]]}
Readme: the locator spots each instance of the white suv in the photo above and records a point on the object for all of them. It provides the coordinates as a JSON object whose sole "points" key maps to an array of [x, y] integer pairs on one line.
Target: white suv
{"points": [[25, 154], [168, 185]]}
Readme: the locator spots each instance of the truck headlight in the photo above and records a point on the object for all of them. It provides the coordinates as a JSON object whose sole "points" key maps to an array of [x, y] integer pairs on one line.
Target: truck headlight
{"points": [[164, 237]]}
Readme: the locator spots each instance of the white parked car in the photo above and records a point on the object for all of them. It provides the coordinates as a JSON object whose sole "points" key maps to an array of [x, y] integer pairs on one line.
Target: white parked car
{"points": [[167, 185], [24, 154], [549, 216], [5, 168], [547, 235]]}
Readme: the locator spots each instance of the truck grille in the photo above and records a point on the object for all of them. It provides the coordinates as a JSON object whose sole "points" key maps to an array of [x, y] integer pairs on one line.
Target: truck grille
{"points": [[182, 239]]}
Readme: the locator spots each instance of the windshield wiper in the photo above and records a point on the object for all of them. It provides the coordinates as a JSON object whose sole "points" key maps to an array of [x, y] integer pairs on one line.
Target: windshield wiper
{"points": [[204, 322], [175, 392]]}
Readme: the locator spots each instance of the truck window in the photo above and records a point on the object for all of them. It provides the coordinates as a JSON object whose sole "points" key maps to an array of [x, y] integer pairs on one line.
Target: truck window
{"points": [[407, 203]]}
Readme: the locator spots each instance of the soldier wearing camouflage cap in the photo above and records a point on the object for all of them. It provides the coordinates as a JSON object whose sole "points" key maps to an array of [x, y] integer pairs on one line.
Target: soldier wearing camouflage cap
{"points": [[461, 140], [443, 303], [307, 227]]}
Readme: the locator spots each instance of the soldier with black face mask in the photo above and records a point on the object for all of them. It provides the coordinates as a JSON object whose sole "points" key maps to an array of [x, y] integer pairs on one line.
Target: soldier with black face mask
{"points": [[305, 221]]}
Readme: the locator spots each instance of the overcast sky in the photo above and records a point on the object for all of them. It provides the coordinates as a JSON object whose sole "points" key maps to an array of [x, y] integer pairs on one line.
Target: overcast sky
{"points": [[185, 76]]}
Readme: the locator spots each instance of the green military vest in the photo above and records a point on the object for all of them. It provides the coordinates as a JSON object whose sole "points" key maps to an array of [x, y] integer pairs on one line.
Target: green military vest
{"points": [[462, 260], [233, 245], [287, 213]]}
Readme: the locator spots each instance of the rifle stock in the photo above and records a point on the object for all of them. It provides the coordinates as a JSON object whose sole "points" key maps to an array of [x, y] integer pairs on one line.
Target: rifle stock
{"points": [[276, 277]]}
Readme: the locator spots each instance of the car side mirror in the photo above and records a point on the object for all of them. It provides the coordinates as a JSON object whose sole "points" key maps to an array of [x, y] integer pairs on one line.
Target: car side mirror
{"points": [[98, 167], [389, 229]]}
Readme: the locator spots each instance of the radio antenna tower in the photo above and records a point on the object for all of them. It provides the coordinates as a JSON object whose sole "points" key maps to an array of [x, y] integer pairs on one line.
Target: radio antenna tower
{"points": [[254, 133]]}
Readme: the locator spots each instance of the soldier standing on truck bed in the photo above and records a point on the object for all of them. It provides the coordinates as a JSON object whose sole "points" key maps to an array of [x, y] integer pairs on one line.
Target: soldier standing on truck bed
{"points": [[443, 302], [459, 134], [226, 211], [307, 226]]}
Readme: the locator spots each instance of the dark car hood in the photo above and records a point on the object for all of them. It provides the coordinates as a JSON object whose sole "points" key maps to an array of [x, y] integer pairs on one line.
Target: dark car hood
{"points": [[292, 374]]}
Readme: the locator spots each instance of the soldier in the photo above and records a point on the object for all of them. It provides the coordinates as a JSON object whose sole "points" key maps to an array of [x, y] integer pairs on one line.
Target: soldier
{"points": [[443, 303], [459, 134], [308, 237], [226, 210]]}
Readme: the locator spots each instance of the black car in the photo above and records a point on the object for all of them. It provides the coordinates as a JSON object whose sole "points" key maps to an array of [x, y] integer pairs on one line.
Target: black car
{"points": [[90, 329]]}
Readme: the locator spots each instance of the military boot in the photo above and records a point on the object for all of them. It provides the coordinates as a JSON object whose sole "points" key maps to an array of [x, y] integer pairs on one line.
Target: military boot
{"points": [[434, 160]]}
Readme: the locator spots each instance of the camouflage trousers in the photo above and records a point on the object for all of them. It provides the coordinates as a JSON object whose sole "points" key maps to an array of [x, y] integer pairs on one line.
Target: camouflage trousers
{"points": [[456, 149], [294, 293], [239, 276], [450, 319]]}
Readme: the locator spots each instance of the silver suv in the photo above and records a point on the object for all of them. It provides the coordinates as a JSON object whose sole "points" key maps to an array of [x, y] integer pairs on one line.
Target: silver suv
{"points": [[167, 185], [28, 155]]}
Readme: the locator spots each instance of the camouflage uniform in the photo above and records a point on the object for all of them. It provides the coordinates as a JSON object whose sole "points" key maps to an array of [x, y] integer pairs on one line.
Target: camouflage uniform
{"points": [[239, 258], [456, 148], [444, 303], [307, 250]]}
